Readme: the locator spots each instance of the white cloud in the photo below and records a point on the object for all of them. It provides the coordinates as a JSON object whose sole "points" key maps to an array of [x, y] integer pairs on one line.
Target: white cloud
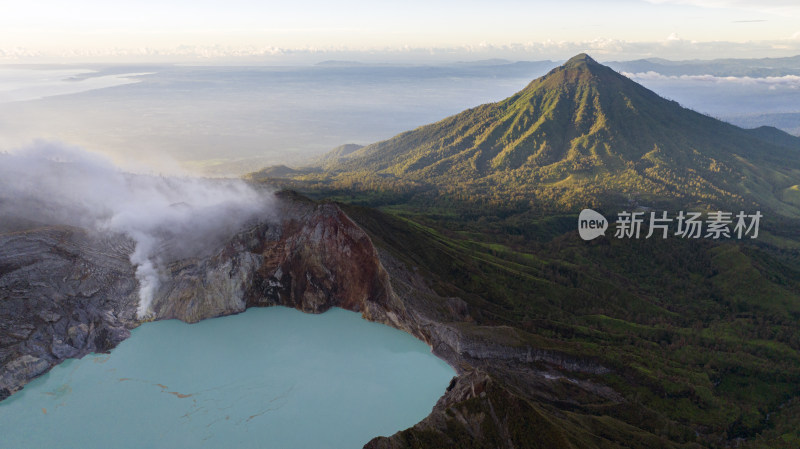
{"points": [[29, 84], [773, 82], [672, 47]]}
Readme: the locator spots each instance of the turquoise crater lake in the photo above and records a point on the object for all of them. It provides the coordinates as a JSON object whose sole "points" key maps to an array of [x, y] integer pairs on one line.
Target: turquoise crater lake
{"points": [[267, 378]]}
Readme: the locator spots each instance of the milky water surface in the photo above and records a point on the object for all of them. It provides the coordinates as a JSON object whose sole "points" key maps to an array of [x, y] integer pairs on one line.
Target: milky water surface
{"points": [[267, 378]]}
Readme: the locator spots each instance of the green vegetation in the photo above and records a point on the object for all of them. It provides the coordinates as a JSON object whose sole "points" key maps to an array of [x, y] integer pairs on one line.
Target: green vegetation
{"points": [[791, 195], [702, 337]]}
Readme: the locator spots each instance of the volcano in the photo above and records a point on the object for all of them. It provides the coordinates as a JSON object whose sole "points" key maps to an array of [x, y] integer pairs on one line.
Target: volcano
{"points": [[581, 134]]}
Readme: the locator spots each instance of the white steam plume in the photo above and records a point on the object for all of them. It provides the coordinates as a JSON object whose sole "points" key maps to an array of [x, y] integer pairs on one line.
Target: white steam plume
{"points": [[167, 217]]}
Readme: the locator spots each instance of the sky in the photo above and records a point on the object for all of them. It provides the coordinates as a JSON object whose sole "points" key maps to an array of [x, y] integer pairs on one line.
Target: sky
{"points": [[314, 30]]}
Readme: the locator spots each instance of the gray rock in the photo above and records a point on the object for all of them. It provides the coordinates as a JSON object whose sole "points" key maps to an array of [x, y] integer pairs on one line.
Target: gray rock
{"points": [[20, 370]]}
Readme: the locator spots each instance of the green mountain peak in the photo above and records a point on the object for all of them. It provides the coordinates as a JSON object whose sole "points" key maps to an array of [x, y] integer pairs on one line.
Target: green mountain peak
{"points": [[581, 59], [581, 133]]}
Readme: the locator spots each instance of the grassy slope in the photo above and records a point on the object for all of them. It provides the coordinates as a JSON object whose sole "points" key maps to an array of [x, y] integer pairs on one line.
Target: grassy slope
{"points": [[702, 336]]}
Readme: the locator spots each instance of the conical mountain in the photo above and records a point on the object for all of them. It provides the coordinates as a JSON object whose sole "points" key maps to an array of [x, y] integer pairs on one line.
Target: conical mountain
{"points": [[582, 132]]}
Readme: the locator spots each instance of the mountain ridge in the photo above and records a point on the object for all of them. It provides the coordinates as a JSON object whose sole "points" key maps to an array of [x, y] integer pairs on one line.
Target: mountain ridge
{"points": [[579, 133], [753, 67]]}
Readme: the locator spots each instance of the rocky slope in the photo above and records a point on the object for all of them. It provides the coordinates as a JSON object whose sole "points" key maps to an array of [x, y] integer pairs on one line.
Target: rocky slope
{"points": [[65, 292]]}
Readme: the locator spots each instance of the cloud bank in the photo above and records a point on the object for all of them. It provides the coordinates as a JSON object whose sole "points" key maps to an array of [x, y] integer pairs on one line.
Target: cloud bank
{"points": [[166, 217], [772, 82], [30, 84], [602, 48]]}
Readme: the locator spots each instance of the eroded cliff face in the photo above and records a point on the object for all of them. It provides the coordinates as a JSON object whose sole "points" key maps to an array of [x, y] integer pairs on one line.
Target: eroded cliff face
{"points": [[313, 258], [65, 292]]}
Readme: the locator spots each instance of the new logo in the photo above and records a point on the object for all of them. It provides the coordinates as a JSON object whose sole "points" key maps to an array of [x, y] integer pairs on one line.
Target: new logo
{"points": [[591, 224]]}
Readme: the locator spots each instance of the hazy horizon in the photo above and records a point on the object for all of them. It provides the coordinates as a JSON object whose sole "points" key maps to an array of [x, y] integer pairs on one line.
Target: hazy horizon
{"points": [[246, 31], [226, 88], [230, 120]]}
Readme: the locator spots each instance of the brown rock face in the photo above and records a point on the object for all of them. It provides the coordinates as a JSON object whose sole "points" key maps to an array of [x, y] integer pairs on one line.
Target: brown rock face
{"points": [[321, 260], [313, 259]]}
